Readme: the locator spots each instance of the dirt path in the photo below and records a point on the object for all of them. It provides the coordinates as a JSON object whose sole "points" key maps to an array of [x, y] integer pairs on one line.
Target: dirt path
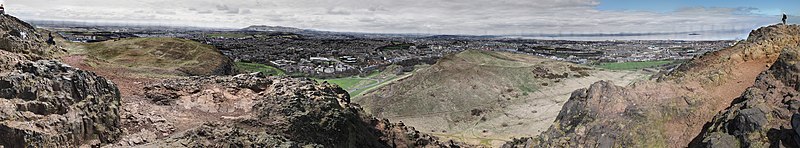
{"points": [[743, 77], [129, 85]]}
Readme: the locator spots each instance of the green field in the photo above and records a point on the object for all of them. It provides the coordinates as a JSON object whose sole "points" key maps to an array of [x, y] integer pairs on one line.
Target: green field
{"points": [[357, 85], [633, 65], [350, 83], [255, 67]]}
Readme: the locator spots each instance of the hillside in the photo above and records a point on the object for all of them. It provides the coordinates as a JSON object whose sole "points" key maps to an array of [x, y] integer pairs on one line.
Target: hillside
{"points": [[669, 112], [165, 56], [485, 97]]}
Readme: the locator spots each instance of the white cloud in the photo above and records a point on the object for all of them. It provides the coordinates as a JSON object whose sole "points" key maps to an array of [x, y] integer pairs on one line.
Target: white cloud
{"points": [[395, 16]]}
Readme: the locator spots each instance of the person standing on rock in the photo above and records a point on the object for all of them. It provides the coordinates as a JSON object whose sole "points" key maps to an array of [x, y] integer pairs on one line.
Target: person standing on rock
{"points": [[784, 18]]}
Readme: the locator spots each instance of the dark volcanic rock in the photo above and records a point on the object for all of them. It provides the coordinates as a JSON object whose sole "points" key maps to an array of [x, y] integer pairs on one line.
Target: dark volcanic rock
{"points": [[17, 36], [49, 104], [764, 115], [218, 135], [274, 111]]}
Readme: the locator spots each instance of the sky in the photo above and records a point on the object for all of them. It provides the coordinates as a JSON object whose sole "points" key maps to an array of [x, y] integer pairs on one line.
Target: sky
{"points": [[473, 17]]}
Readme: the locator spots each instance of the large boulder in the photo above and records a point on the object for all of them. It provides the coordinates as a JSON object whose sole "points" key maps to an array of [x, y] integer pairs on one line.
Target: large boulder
{"points": [[49, 104], [17, 36]]}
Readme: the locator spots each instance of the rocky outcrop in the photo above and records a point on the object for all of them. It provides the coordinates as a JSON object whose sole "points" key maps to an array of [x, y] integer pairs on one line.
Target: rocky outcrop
{"points": [[226, 67], [252, 110], [46, 103], [673, 110], [19, 41], [17, 36], [49, 104], [763, 45], [763, 115]]}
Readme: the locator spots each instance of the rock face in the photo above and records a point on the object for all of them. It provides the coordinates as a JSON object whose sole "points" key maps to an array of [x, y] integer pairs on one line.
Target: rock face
{"points": [[19, 41], [49, 104], [17, 36], [257, 111], [672, 110], [46, 103], [764, 116]]}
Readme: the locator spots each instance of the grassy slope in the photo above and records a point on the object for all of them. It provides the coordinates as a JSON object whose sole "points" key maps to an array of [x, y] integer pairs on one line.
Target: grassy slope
{"points": [[633, 65], [255, 67], [169, 56], [357, 85], [348, 83], [385, 78]]}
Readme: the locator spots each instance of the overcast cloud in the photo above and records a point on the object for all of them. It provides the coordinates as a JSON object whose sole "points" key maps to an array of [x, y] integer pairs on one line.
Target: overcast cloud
{"points": [[394, 16]]}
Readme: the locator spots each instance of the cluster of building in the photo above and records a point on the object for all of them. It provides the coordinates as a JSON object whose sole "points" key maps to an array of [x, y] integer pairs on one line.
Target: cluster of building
{"points": [[344, 56], [645, 50], [323, 56], [326, 54]]}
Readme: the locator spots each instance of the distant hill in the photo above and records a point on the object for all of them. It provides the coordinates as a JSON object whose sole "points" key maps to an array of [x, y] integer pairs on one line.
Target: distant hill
{"points": [[484, 97]]}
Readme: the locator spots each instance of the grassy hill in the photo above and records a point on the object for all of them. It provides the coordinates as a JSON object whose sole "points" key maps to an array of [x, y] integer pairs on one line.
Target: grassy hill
{"points": [[475, 96], [161, 56], [634, 65]]}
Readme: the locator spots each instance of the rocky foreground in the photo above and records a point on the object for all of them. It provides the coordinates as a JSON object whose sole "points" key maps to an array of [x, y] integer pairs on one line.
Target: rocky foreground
{"points": [[45, 103], [766, 115], [674, 109]]}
